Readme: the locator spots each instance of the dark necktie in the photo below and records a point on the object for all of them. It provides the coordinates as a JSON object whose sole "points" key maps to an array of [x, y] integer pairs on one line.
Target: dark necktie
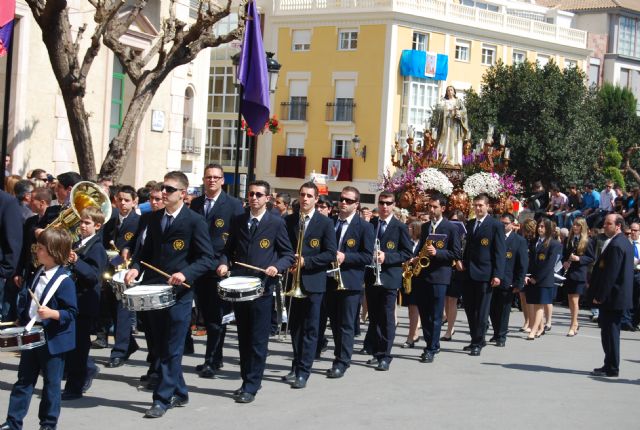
{"points": [[207, 206], [253, 227], [478, 222], [168, 220], [382, 228], [339, 225]]}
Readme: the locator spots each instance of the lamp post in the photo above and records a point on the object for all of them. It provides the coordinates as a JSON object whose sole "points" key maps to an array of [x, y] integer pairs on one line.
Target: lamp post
{"points": [[356, 148]]}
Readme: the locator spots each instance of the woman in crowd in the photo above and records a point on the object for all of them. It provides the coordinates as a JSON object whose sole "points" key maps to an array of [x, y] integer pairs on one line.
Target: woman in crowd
{"points": [[528, 231], [540, 282], [576, 264], [454, 290], [409, 299]]}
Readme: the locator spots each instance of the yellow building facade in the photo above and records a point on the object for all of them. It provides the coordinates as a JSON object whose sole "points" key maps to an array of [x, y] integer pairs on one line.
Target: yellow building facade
{"points": [[341, 78]]}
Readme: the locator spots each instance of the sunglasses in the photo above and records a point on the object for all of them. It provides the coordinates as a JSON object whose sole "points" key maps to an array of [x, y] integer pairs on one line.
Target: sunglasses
{"points": [[385, 203], [257, 194], [347, 201], [169, 189]]}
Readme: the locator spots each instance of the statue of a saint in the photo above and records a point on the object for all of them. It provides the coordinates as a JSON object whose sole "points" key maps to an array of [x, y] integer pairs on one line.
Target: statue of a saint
{"points": [[453, 128]]}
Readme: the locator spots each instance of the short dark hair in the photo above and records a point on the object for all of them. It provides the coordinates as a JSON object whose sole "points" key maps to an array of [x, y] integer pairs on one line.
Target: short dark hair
{"points": [[178, 176], [154, 188], [214, 166], [440, 198], [387, 194], [261, 183], [22, 188], [325, 200], [42, 193], [619, 220], [286, 198], [509, 216], [143, 194], [69, 179], [128, 189], [590, 185], [57, 241], [37, 172], [310, 185], [482, 196], [353, 190]]}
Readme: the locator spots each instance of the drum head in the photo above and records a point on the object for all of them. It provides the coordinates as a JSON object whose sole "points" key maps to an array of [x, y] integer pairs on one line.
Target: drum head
{"points": [[240, 283], [143, 290], [11, 331], [118, 277]]}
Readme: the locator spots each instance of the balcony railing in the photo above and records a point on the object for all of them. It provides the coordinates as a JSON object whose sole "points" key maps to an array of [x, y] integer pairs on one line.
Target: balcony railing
{"points": [[442, 10], [293, 111], [341, 111], [191, 141]]}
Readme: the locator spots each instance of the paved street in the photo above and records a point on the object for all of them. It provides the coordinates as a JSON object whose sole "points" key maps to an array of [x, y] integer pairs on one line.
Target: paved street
{"points": [[526, 385]]}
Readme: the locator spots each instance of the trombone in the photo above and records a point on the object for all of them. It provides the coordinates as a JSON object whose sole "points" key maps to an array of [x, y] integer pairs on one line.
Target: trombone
{"points": [[296, 290]]}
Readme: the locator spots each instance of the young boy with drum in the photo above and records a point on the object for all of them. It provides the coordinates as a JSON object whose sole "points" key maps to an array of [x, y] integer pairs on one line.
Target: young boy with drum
{"points": [[53, 308], [88, 261]]}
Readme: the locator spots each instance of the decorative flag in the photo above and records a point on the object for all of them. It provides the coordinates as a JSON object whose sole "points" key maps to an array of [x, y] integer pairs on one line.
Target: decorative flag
{"points": [[421, 64], [253, 74], [7, 15]]}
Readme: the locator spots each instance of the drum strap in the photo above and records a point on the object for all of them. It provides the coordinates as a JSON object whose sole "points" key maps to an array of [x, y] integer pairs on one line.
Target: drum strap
{"points": [[48, 297]]}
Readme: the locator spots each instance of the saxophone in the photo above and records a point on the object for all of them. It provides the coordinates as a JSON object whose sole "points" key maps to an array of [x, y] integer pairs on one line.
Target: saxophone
{"points": [[411, 269]]}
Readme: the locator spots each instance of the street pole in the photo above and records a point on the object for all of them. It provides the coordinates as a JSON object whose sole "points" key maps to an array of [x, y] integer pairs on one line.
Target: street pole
{"points": [[236, 173]]}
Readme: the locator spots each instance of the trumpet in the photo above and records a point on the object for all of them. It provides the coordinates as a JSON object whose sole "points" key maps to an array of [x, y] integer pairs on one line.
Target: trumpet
{"points": [[296, 290], [337, 275], [375, 265]]}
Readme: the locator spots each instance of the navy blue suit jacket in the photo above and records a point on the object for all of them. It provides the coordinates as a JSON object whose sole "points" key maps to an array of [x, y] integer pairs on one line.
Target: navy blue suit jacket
{"points": [[269, 246], [578, 270], [357, 246], [184, 247], [26, 265], [397, 247], [87, 271], [516, 262], [612, 277], [318, 249], [10, 235], [485, 250], [219, 220], [542, 263], [60, 334], [440, 266], [124, 237]]}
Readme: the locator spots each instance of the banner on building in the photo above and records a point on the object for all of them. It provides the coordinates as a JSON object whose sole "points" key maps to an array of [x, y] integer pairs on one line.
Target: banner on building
{"points": [[421, 64], [7, 15]]}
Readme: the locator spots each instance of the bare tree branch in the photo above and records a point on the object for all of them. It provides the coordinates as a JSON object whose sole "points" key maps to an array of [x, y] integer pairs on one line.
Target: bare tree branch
{"points": [[628, 154]]}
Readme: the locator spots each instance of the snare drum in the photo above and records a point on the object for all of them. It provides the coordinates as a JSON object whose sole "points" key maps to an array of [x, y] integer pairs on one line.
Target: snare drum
{"points": [[149, 297], [240, 288], [17, 339], [118, 285]]}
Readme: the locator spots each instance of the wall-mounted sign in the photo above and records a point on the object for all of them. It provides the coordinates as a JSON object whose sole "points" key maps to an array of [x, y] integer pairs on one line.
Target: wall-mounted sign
{"points": [[157, 120]]}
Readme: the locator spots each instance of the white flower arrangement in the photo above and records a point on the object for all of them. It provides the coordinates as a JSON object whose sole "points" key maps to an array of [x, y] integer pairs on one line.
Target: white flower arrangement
{"points": [[433, 179], [482, 182]]}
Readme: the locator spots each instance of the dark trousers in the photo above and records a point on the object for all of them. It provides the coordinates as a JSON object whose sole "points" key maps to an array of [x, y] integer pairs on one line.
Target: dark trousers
{"points": [[254, 325], [342, 307], [500, 311], [77, 362], [169, 327], [32, 362], [430, 301], [125, 344], [8, 298], [609, 321], [381, 304], [322, 327], [152, 343], [477, 300], [212, 308], [303, 322]]}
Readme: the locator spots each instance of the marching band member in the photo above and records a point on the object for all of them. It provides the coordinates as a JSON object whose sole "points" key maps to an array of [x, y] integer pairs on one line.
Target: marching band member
{"points": [[395, 247], [318, 251], [219, 209], [354, 238], [515, 269], [87, 262], [258, 238], [119, 232], [58, 318], [440, 241], [484, 264], [178, 243]]}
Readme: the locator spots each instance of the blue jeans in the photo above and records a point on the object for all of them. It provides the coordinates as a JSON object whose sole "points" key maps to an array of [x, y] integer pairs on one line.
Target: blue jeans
{"points": [[570, 217]]}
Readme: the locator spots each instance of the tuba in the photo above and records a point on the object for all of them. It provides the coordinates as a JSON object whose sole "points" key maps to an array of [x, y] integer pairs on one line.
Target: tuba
{"points": [[83, 195], [296, 290]]}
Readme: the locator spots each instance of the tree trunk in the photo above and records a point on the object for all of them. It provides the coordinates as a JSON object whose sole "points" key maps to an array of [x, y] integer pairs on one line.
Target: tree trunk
{"points": [[81, 135]]}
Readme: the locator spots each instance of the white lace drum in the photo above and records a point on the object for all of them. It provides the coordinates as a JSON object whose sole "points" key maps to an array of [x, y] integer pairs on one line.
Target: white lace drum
{"points": [[149, 297], [17, 339], [118, 285], [240, 288]]}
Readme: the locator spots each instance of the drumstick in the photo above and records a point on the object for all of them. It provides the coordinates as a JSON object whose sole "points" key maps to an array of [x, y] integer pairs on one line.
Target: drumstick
{"points": [[161, 272], [8, 323], [33, 296], [249, 266]]}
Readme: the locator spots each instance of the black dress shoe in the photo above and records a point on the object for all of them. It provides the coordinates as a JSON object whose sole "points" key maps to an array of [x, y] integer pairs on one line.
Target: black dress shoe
{"points": [[500, 343], [178, 402], [154, 379], [475, 352], [207, 372], [47, 428], [115, 362], [468, 348], [427, 357], [289, 377], [245, 397], [66, 395], [99, 343], [5, 426], [335, 373], [383, 365], [156, 411], [374, 361], [364, 351], [299, 382], [547, 328], [91, 374], [602, 372], [199, 367], [493, 339]]}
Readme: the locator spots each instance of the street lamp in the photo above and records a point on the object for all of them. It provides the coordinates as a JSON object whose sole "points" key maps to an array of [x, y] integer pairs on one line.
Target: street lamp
{"points": [[273, 67], [360, 152]]}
